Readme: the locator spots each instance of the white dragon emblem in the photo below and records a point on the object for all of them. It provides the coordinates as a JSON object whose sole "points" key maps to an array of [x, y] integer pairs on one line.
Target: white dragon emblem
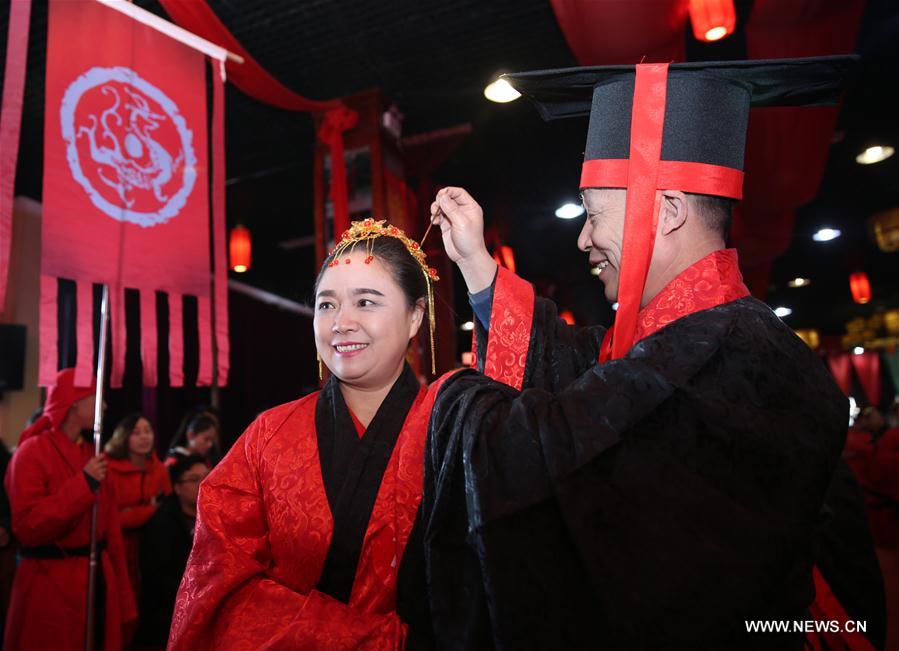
{"points": [[122, 148]]}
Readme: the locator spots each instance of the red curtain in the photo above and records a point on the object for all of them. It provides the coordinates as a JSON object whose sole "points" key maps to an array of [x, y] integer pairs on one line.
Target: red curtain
{"points": [[841, 368], [601, 32], [787, 148], [249, 76], [867, 367], [258, 83]]}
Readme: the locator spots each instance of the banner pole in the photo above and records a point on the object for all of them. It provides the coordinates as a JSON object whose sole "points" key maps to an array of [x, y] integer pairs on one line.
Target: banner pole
{"points": [[98, 428]]}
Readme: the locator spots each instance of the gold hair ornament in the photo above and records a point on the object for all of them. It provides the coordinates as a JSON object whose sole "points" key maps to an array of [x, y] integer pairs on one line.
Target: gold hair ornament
{"points": [[369, 230]]}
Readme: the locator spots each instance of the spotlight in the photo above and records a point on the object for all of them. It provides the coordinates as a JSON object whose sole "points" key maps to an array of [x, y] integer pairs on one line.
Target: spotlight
{"points": [[826, 234], [874, 155], [782, 311], [501, 91], [570, 211]]}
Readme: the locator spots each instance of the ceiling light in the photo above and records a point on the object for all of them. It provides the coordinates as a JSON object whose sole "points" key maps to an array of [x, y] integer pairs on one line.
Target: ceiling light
{"points": [[858, 350], [716, 33], [799, 282], [782, 311], [570, 211], [468, 326], [874, 154], [501, 91], [826, 234]]}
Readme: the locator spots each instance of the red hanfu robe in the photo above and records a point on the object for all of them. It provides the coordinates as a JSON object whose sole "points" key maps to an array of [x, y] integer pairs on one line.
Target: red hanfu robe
{"points": [[51, 506], [135, 487], [258, 576]]}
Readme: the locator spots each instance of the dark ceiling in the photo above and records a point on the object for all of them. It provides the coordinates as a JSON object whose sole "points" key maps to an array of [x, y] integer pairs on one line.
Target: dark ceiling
{"points": [[433, 60]]}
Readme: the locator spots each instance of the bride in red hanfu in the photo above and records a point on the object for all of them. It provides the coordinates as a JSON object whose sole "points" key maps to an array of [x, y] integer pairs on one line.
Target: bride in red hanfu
{"points": [[307, 531]]}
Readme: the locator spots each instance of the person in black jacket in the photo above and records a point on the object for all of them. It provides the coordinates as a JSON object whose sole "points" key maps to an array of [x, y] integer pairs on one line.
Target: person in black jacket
{"points": [[165, 547]]}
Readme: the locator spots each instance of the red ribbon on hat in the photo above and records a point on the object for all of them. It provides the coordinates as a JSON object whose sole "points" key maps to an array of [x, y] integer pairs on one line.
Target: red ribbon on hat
{"points": [[642, 207]]}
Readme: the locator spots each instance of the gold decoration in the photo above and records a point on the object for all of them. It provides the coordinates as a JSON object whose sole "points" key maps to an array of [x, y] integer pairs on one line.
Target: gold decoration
{"points": [[369, 230]]}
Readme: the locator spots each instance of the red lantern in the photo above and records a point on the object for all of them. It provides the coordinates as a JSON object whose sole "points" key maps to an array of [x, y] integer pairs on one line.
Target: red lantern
{"points": [[712, 19], [504, 256], [240, 248], [861, 288], [508, 257], [567, 317]]}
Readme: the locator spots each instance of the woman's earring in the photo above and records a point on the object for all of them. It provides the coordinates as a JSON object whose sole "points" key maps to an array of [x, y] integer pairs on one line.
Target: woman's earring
{"points": [[320, 372]]}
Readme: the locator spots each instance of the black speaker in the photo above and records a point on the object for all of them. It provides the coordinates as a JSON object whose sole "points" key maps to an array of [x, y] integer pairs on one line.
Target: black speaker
{"points": [[12, 357]]}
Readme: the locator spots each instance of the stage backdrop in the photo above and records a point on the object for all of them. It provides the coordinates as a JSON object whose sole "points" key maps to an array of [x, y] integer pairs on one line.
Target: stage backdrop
{"points": [[126, 198]]}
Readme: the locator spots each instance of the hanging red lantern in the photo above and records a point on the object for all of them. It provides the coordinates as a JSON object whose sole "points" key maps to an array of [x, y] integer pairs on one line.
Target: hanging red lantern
{"points": [[504, 256], [860, 287], [712, 19], [508, 257], [240, 248], [567, 317]]}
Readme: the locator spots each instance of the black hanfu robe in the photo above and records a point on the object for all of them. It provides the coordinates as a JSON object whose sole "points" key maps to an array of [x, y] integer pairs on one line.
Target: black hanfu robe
{"points": [[657, 501]]}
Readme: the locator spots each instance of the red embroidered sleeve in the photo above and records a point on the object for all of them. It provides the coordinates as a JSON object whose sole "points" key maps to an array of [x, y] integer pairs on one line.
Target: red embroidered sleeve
{"points": [[509, 340]]}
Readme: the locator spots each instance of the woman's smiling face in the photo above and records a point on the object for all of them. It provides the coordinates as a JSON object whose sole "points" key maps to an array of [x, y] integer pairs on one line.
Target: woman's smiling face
{"points": [[363, 322]]}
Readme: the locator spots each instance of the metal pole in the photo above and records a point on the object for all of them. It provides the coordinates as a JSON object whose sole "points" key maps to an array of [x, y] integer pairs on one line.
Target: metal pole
{"points": [[98, 428]]}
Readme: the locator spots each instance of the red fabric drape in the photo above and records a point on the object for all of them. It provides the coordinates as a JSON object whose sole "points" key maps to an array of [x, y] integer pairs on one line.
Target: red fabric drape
{"points": [[10, 123], [601, 33], [250, 77], [786, 147], [254, 80], [867, 367], [841, 368]]}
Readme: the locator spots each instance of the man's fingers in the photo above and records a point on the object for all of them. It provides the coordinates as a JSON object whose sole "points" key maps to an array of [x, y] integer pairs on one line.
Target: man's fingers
{"points": [[450, 208], [459, 195]]}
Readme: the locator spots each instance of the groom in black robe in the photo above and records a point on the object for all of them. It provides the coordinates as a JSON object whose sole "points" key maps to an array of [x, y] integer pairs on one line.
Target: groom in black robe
{"points": [[671, 494]]}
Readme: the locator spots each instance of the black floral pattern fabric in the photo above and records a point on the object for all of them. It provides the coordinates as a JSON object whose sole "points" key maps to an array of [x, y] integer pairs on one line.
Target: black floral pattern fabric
{"points": [[657, 501]]}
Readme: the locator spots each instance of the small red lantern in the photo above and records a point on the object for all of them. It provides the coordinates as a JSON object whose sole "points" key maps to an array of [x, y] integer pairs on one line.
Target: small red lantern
{"points": [[240, 248], [567, 317], [860, 287], [712, 19], [508, 257], [504, 256]]}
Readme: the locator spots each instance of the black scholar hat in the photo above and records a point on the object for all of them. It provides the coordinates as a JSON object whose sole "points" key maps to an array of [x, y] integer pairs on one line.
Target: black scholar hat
{"points": [[671, 127]]}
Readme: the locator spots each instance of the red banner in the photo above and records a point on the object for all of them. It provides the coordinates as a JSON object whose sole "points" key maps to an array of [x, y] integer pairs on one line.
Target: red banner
{"points": [[125, 166]]}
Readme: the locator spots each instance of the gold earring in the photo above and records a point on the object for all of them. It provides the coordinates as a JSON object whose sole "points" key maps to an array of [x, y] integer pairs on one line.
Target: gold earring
{"points": [[320, 371]]}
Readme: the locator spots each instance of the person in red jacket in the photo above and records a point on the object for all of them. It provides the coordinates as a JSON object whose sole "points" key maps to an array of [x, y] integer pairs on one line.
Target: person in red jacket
{"points": [[140, 480], [53, 481]]}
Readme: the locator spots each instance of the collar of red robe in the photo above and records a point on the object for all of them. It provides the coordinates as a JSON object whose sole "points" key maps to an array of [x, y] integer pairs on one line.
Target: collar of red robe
{"points": [[713, 280]]}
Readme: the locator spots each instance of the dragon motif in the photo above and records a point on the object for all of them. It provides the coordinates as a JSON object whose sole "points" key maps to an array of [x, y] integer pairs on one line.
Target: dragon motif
{"points": [[136, 160]]}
